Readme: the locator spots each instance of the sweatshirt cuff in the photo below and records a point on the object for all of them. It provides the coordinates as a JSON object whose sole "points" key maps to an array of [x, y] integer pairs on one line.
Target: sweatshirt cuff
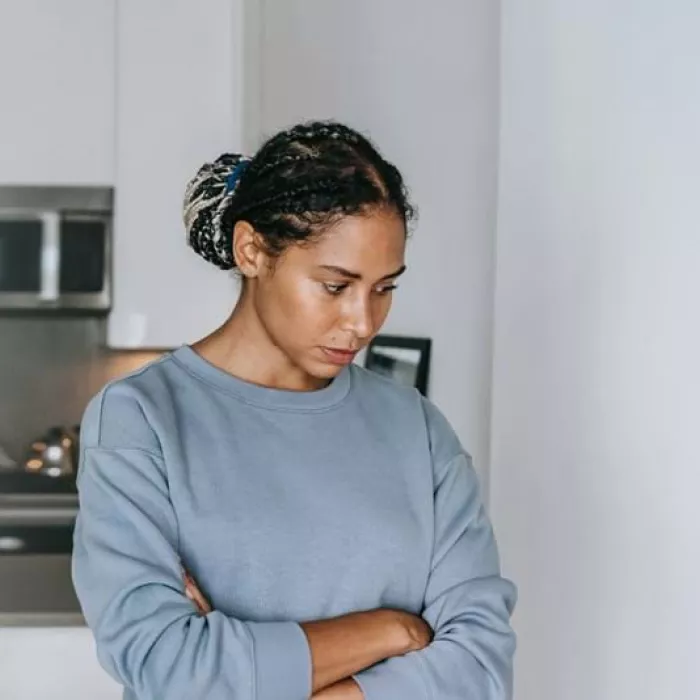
{"points": [[391, 681], [282, 661]]}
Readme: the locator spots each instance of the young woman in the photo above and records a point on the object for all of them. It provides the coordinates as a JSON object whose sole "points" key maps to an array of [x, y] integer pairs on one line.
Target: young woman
{"points": [[330, 516]]}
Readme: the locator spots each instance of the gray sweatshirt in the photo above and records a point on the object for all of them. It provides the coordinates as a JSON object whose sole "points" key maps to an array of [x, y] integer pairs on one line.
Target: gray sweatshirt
{"points": [[285, 507]]}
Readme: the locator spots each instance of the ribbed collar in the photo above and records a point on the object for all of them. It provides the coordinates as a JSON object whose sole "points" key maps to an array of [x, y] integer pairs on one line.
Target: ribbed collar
{"points": [[266, 397]]}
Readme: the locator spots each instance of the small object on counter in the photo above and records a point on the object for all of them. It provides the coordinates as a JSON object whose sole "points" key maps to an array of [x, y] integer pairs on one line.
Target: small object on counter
{"points": [[55, 454]]}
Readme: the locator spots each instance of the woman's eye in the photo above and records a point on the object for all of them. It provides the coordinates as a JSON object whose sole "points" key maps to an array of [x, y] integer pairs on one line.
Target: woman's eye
{"points": [[388, 289], [334, 289]]}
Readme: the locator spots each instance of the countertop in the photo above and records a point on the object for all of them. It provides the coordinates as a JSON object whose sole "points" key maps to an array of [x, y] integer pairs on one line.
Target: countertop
{"points": [[41, 619]]}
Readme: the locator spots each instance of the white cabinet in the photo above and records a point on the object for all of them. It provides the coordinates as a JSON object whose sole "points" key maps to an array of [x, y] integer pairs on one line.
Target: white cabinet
{"points": [[52, 664], [57, 62], [179, 104]]}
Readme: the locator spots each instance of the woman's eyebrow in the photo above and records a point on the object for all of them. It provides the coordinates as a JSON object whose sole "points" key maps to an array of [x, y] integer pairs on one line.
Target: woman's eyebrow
{"points": [[356, 275]]}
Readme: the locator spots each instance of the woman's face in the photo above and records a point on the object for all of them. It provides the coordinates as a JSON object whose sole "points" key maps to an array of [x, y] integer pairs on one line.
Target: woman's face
{"points": [[323, 301]]}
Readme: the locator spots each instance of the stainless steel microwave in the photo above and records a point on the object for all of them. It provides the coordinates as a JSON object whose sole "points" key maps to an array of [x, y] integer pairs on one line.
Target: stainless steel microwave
{"points": [[55, 248]]}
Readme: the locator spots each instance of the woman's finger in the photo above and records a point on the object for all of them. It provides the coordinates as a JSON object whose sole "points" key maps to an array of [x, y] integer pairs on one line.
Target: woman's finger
{"points": [[195, 595], [198, 599]]}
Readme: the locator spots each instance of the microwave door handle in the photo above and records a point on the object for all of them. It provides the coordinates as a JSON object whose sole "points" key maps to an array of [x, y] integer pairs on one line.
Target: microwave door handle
{"points": [[50, 257]]}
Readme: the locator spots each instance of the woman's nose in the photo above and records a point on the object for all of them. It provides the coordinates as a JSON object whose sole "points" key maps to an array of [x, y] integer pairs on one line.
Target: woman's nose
{"points": [[358, 319]]}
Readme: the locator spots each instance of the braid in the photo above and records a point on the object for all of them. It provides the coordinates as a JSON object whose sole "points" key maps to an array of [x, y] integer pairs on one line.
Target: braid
{"points": [[263, 168], [293, 199], [301, 181]]}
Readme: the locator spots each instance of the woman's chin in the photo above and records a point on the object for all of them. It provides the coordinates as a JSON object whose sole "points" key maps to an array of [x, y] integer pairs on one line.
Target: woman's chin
{"points": [[322, 370]]}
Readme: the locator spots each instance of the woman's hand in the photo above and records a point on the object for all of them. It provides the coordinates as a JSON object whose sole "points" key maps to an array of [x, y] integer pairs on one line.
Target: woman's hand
{"points": [[416, 632], [195, 595]]}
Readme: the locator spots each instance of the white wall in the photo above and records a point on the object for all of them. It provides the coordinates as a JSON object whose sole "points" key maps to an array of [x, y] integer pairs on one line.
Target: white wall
{"points": [[595, 461], [52, 664], [421, 78]]}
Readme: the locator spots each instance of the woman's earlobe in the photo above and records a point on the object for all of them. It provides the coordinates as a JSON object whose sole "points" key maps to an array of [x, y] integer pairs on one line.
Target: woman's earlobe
{"points": [[247, 251]]}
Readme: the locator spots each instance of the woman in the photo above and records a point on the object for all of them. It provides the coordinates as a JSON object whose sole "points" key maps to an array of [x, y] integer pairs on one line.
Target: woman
{"points": [[330, 516]]}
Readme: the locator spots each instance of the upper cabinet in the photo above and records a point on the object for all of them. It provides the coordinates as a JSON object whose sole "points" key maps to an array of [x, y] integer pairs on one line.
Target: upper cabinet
{"points": [[135, 95], [57, 80], [179, 104]]}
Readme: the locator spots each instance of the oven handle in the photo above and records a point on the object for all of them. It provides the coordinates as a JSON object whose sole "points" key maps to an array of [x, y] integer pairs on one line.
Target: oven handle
{"points": [[37, 516], [10, 544]]}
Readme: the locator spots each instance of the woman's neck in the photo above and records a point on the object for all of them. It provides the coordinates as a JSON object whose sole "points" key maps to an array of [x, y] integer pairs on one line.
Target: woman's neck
{"points": [[242, 347]]}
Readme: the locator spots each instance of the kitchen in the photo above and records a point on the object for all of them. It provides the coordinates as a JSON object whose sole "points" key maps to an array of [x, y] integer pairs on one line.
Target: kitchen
{"points": [[551, 148], [77, 305], [102, 106], [98, 144]]}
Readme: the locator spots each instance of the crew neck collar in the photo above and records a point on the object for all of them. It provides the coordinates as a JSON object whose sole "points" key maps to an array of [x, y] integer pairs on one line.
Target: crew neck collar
{"points": [[267, 397]]}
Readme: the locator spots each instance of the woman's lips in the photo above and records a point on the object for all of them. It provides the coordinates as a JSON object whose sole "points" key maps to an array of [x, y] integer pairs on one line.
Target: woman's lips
{"points": [[339, 357]]}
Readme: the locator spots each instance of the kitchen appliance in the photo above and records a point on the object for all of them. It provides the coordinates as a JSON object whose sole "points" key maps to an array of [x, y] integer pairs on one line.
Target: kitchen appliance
{"points": [[55, 248], [38, 508], [37, 518]]}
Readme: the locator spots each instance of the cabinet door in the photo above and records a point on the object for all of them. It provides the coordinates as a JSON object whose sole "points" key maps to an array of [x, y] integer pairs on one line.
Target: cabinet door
{"points": [[69, 667], [178, 105], [57, 63]]}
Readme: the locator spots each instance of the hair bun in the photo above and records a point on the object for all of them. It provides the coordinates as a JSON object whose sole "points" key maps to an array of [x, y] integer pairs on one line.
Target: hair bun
{"points": [[207, 197]]}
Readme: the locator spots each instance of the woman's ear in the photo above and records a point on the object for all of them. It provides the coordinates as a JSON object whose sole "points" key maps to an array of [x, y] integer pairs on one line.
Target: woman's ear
{"points": [[248, 250]]}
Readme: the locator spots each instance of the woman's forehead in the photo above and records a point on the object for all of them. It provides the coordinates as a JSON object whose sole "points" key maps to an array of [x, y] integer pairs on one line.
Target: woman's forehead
{"points": [[362, 240]]}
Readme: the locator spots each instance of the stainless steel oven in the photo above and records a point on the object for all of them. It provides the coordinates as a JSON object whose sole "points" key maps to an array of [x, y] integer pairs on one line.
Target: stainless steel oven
{"points": [[55, 248], [37, 517]]}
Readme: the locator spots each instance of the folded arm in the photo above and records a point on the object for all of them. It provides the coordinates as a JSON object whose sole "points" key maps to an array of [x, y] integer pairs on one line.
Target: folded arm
{"points": [[128, 578], [467, 602], [150, 635]]}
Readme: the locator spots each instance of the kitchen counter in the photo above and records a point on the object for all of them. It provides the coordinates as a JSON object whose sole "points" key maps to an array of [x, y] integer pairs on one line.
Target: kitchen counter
{"points": [[41, 619]]}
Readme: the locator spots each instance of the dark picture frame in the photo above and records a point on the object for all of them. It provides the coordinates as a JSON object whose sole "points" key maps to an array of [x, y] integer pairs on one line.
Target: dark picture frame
{"points": [[405, 359]]}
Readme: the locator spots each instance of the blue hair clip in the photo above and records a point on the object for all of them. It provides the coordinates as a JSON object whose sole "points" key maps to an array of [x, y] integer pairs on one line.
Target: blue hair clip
{"points": [[235, 176]]}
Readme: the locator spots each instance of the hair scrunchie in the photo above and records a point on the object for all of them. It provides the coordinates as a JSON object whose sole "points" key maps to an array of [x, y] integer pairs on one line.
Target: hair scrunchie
{"points": [[207, 197]]}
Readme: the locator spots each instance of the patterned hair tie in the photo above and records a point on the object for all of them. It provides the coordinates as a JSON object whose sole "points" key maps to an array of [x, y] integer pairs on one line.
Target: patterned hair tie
{"points": [[207, 198]]}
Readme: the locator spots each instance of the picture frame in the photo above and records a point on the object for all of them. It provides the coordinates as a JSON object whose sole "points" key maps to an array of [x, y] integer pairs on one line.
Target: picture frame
{"points": [[405, 359]]}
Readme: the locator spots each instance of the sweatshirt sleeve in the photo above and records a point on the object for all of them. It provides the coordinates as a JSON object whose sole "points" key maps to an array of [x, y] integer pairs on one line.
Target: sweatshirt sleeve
{"points": [[127, 575], [467, 603]]}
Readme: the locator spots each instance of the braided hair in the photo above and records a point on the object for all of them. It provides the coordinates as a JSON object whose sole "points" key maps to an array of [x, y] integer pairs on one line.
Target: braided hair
{"points": [[301, 181]]}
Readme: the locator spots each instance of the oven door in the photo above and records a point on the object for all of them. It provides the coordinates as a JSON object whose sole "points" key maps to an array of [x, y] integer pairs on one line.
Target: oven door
{"points": [[36, 540]]}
